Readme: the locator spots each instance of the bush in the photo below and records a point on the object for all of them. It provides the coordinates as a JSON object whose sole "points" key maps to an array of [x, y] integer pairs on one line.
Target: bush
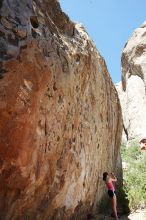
{"points": [[135, 175]]}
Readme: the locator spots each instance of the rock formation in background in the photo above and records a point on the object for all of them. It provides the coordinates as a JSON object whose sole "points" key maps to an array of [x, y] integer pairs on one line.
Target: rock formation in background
{"points": [[132, 89], [60, 117]]}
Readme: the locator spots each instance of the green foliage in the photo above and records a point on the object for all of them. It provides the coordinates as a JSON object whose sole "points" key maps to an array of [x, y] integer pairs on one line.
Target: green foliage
{"points": [[135, 175]]}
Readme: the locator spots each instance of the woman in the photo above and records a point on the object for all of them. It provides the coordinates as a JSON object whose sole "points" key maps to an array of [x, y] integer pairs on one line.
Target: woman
{"points": [[109, 179]]}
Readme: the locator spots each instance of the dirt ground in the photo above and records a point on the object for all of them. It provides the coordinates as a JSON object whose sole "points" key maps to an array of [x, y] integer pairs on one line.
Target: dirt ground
{"points": [[138, 215]]}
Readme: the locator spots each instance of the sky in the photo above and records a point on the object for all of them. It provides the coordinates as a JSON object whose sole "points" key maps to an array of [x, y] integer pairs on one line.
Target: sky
{"points": [[109, 23]]}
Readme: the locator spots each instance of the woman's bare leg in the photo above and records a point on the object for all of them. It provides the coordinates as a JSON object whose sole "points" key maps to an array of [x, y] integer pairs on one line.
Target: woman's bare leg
{"points": [[114, 206]]}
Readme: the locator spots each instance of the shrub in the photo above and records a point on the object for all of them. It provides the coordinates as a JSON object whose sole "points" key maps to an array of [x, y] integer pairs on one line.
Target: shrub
{"points": [[135, 175]]}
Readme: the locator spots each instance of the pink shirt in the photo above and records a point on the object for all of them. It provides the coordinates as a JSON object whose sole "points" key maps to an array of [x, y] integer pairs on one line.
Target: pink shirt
{"points": [[110, 186]]}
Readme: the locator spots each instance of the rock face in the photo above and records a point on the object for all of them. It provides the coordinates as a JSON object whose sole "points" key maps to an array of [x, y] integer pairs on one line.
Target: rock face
{"points": [[60, 118], [132, 89]]}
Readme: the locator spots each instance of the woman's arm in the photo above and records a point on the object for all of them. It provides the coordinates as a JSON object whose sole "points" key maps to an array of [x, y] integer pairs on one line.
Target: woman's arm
{"points": [[113, 178]]}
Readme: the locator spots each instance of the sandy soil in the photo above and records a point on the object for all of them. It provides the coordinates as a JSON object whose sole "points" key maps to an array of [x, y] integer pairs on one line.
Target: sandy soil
{"points": [[138, 215]]}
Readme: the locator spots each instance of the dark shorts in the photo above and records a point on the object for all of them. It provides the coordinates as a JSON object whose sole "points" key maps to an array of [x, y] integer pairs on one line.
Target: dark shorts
{"points": [[111, 193]]}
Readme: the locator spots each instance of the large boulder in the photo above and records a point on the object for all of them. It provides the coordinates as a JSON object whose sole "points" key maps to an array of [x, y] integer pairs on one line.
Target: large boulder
{"points": [[132, 89], [60, 117]]}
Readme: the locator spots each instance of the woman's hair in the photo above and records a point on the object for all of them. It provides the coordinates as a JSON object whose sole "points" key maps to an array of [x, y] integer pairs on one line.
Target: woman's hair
{"points": [[105, 174], [143, 141]]}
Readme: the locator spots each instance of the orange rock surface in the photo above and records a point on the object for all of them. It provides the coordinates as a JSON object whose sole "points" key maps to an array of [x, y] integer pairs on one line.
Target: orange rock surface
{"points": [[60, 118]]}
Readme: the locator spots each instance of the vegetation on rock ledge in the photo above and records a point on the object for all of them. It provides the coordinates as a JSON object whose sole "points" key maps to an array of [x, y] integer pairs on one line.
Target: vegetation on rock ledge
{"points": [[134, 175]]}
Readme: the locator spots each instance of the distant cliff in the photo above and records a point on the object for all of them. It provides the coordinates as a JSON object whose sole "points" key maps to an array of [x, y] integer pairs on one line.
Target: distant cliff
{"points": [[132, 89], [60, 117]]}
